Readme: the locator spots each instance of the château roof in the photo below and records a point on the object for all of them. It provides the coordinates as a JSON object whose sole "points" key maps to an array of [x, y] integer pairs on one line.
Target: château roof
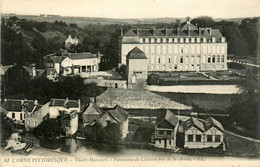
{"points": [[136, 53], [84, 55]]}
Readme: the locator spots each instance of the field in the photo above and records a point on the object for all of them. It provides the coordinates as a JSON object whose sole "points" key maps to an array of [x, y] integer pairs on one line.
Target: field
{"points": [[204, 101]]}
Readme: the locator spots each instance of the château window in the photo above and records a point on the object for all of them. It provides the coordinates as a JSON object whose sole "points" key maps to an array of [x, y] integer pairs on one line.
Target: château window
{"points": [[198, 138], [83, 69], [170, 142], [169, 60], [209, 59], [217, 138], [190, 138], [218, 58], [181, 59], [213, 59], [222, 59], [209, 138], [181, 50], [159, 60]]}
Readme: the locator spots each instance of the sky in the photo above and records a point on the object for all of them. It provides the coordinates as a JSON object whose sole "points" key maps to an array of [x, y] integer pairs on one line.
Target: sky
{"points": [[135, 8]]}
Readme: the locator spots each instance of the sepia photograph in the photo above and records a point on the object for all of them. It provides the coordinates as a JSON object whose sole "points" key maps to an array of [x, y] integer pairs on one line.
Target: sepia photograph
{"points": [[130, 83]]}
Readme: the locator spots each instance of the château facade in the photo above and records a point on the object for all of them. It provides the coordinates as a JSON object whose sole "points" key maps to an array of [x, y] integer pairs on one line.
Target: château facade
{"points": [[189, 48]]}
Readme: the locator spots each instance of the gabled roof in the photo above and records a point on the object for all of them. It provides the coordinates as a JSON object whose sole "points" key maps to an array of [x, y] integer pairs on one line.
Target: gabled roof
{"points": [[85, 55], [92, 109], [130, 33], [119, 114], [211, 122], [169, 117], [136, 53], [2, 110], [194, 122], [65, 103]]}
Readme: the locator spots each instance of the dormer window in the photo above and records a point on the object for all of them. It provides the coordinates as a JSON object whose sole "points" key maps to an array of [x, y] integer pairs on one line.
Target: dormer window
{"points": [[198, 40], [192, 40], [170, 40], [152, 40], [213, 39], [146, 40], [175, 40], [223, 39], [204, 40], [187, 40], [158, 40], [141, 40], [181, 40], [164, 40]]}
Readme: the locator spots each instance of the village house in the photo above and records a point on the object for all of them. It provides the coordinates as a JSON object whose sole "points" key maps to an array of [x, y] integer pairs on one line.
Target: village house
{"points": [[68, 64], [203, 133], [91, 114], [63, 105], [69, 121], [17, 109], [166, 127], [34, 119], [71, 41], [116, 115], [189, 48]]}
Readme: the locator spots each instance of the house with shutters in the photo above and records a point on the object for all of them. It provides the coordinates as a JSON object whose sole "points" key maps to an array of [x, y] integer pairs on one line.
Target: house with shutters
{"points": [[166, 127], [17, 110], [202, 133]]}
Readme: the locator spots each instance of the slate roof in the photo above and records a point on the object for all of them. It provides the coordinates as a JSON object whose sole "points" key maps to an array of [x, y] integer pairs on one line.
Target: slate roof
{"points": [[136, 53], [203, 125], [119, 114], [194, 122], [169, 117], [85, 55], [211, 122], [132, 35], [65, 103], [16, 105]]}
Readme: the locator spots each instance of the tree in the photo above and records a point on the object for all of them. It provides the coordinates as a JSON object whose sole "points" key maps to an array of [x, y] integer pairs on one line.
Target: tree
{"points": [[153, 79], [107, 138], [203, 21]]}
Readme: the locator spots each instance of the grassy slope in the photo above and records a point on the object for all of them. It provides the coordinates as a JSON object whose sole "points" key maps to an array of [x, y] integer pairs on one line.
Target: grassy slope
{"points": [[204, 101]]}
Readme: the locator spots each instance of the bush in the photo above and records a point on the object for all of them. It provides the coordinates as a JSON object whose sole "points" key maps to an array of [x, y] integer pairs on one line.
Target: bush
{"points": [[236, 66], [153, 79]]}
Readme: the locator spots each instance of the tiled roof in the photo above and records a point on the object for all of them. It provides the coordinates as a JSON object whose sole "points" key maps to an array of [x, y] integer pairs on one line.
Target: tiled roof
{"points": [[85, 55], [119, 114], [189, 26], [136, 53], [64, 103], [211, 122], [2, 110], [92, 109], [169, 117], [16, 105]]}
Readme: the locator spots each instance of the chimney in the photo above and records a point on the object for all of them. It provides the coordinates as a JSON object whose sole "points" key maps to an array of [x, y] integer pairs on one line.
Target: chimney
{"points": [[188, 20], [137, 32], [153, 31], [35, 102], [122, 32], [177, 31], [79, 104], [209, 31], [199, 31], [188, 29], [22, 102], [34, 72], [165, 31]]}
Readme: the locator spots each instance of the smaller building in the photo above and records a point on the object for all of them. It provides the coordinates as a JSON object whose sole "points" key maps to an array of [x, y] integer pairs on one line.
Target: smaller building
{"points": [[203, 133], [91, 114], [166, 127], [69, 121], [34, 119], [66, 105], [17, 109], [136, 69], [116, 115]]}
